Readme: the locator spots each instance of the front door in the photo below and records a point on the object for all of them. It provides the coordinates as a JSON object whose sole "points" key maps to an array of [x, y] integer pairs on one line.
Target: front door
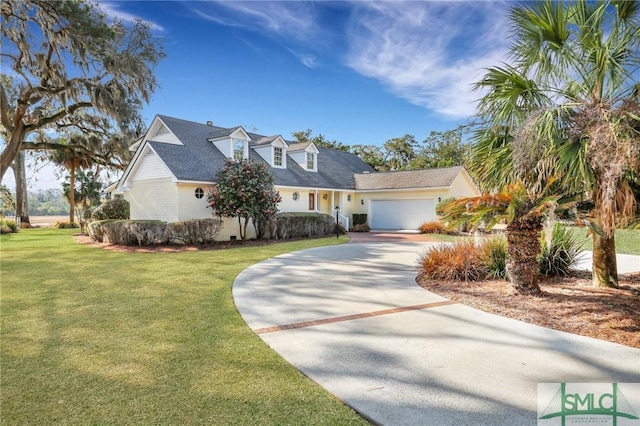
{"points": [[312, 201]]}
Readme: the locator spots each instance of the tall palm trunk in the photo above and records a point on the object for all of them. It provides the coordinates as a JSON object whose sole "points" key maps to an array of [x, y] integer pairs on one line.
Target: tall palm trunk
{"points": [[523, 246], [605, 266]]}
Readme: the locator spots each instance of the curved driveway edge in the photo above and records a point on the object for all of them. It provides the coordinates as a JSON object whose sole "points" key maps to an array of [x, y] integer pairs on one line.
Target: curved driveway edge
{"points": [[352, 318]]}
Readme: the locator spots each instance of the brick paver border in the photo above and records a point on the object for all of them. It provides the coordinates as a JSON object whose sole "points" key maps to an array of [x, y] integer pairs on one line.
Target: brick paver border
{"points": [[303, 324]]}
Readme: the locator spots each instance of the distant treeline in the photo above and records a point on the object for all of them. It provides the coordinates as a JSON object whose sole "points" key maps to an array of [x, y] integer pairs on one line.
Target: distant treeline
{"points": [[44, 202]]}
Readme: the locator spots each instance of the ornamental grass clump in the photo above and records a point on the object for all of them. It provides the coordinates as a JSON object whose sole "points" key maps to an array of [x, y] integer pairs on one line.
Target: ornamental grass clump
{"points": [[465, 261], [433, 227], [494, 255], [8, 226], [462, 261], [560, 250]]}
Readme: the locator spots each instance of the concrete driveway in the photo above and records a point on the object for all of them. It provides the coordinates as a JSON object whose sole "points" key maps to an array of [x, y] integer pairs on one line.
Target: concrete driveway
{"points": [[352, 318]]}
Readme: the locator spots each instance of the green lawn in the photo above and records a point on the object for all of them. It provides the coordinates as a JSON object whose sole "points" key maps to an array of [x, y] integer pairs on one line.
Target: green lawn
{"points": [[90, 336], [627, 240]]}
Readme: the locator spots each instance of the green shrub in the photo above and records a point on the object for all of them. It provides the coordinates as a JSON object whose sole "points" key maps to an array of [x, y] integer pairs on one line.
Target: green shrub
{"points": [[359, 219], [65, 225], [361, 227], [300, 225], [202, 231], [8, 226], [154, 232], [560, 252], [494, 256], [117, 208]]}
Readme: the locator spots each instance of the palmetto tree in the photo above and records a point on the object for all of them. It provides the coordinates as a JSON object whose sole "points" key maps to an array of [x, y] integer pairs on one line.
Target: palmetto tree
{"points": [[524, 212], [77, 155], [567, 105]]}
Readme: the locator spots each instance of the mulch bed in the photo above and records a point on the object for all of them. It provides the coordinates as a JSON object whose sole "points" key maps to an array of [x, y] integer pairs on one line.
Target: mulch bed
{"points": [[569, 304]]}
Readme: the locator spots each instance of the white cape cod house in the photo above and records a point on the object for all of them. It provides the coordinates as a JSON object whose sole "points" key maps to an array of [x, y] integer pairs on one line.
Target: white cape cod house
{"points": [[176, 162]]}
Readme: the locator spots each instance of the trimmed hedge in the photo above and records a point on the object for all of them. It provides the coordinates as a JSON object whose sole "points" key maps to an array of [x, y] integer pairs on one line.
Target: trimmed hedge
{"points": [[359, 219], [299, 225], [113, 209], [154, 232]]}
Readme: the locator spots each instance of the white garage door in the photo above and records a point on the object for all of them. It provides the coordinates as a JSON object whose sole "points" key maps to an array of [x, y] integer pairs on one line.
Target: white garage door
{"points": [[401, 214]]}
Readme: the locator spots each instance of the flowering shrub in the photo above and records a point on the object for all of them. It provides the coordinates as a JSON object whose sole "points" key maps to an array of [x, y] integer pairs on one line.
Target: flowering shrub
{"points": [[244, 189]]}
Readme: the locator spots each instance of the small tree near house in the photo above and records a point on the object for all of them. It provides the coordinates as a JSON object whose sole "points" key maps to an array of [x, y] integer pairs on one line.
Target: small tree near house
{"points": [[245, 189]]}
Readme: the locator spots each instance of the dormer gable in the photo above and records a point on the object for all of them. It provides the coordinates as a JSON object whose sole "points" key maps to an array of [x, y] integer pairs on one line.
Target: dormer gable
{"points": [[272, 149], [306, 155], [160, 132], [233, 143]]}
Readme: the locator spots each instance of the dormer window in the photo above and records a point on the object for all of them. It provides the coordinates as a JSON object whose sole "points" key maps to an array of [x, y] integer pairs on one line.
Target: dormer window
{"points": [[277, 156], [311, 161], [238, 149]]}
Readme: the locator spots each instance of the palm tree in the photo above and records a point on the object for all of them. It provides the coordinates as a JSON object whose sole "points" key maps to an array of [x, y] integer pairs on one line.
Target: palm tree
{"points": [[81, 155], [568, 106], [524, 213]]}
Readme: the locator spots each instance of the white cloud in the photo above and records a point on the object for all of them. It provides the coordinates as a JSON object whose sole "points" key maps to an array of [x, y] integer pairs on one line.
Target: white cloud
{"points": [[294, 20], [426, 52], [294, 23], [113, 11]]}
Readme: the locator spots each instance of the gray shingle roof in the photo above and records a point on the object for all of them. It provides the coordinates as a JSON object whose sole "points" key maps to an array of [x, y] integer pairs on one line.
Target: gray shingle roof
{"points": [[301, 146], [199, 160], [429, 178]]}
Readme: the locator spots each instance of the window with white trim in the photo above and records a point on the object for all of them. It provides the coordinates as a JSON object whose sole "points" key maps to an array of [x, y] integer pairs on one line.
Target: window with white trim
{"points": [[277, 156], [238, 149], [311, 160]]}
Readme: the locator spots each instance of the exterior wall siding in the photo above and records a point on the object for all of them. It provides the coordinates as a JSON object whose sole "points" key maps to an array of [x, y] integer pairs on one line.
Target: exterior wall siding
{"points": [[153, 199], [162, 199], [151, 167], [190, 207], [463, 187]]}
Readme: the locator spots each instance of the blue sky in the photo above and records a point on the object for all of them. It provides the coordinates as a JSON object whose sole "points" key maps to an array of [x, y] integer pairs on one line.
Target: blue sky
{"points": [[358, 72]]}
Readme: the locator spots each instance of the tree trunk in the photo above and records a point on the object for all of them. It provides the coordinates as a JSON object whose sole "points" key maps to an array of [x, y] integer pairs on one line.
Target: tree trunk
{"points": [[605, 266], [72, 193], [523, 246], [14, 145], [22, 204]]}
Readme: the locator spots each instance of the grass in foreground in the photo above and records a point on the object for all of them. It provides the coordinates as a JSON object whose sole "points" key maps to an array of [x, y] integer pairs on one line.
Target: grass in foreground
{"points": [[99, 337]]}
